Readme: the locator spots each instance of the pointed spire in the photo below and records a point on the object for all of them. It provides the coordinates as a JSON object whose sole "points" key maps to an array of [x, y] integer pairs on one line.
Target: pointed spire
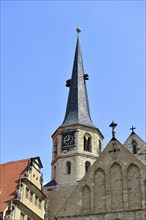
{"points": [[77, 111]]}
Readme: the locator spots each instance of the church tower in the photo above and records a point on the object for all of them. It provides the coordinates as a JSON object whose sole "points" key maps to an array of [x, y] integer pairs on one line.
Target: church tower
{"points": [[77, 142]]}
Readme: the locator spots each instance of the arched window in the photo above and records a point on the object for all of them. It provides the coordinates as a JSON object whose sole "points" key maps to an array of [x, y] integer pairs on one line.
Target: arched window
{"points": [[87, 166], [134, 147], [134, 187], [68, 167], [86, 200], [99, 200], [55, 148], [87, 143], [116, 186]]}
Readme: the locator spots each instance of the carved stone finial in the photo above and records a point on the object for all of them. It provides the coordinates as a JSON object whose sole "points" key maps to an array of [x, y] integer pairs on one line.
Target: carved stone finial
{"points": [[113, 125]]}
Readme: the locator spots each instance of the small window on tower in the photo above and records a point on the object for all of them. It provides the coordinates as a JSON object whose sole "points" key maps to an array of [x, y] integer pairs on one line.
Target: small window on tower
{"points": [[87, 166], [87, 143], [100, 146], [68, 167], [134, 147], [55, 148]]}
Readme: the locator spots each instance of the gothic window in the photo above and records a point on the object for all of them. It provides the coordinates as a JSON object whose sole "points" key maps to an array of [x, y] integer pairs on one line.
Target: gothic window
{"points": [[87, 166], [86, 200], [116, 187], [87, 143], [134, 147], [134, 187], [68, 167], [99, 190]]}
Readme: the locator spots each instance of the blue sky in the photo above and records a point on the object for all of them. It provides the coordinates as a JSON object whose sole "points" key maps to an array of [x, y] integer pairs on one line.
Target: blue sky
{"points": [[38, 41]]}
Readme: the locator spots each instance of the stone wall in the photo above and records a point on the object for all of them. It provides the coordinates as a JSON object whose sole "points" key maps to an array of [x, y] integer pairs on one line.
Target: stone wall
{"points": [[114, 188]]}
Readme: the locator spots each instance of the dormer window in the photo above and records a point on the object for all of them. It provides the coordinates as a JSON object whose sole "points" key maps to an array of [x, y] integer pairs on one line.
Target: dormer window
{"points": [[134, 147], [87, 143]]}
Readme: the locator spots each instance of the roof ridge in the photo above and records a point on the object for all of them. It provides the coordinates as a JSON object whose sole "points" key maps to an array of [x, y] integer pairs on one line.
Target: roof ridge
{"points": [[18, 161], [14, 162]]}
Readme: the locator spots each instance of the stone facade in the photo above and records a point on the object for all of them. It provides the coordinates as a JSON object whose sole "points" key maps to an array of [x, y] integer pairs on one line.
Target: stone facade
{"points": [[89, 183], [113, 188], [76, 155]]}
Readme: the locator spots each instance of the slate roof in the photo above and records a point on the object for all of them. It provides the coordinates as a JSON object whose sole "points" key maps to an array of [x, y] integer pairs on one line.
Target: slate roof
{"points": [[51, 183], [77, 111]]}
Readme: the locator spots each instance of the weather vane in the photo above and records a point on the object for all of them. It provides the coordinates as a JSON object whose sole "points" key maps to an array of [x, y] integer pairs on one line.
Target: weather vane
{"points": [[78, 30], [113, 125]]}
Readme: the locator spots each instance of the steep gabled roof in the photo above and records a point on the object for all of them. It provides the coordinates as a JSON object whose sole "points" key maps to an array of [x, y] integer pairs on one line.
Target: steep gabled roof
{"points": [[77, 111], [10, 173], [9, 176]]}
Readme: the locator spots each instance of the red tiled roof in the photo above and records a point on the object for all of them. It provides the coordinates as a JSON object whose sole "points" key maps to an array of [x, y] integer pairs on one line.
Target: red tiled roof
{"points": [[9, 176]]}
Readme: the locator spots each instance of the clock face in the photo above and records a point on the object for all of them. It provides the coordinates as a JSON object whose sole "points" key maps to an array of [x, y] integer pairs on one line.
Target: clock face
{"points": [[68, 139]]}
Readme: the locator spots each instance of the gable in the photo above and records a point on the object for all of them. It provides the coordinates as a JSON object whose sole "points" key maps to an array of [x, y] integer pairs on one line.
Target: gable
{"points": [[136, 146], [114, 182], [10, 174]]}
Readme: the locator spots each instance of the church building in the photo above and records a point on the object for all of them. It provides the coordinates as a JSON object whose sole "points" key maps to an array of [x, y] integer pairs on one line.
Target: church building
{"points": [[87, 181]]}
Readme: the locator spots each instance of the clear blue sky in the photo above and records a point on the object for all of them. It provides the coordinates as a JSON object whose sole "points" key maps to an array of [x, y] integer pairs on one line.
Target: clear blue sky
{"points": [[38, 41]]}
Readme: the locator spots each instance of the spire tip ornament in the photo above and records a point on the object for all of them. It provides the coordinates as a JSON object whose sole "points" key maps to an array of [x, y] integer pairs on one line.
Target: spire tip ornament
{"points": [[78, 30]]}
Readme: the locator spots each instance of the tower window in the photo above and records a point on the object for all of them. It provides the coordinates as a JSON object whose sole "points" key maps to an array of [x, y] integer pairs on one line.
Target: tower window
{"points": [[87, 142], [87, 166], [134, 147], [100, 146], [55, 148], [68, 167]]}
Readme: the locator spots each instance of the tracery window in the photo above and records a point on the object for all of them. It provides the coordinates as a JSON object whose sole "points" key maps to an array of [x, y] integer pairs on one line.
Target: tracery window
{"points": [[87, 143]]}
